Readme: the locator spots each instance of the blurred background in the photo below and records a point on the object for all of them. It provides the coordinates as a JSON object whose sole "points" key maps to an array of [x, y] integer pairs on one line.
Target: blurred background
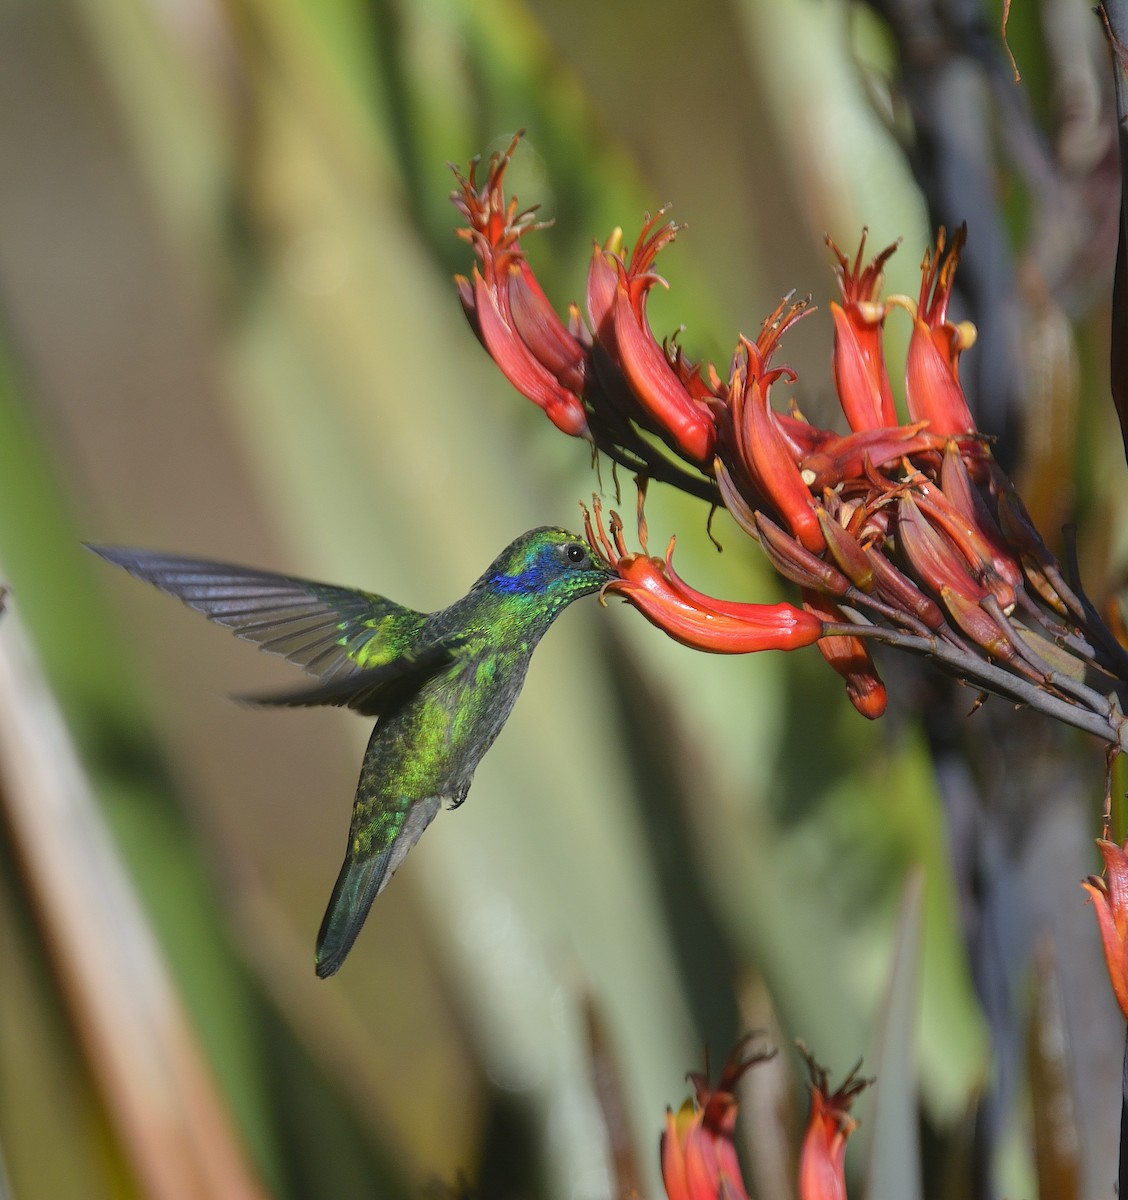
{"points": [[228, 328]]}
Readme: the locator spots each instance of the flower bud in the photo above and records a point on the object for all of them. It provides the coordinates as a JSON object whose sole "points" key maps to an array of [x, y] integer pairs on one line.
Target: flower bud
{"points": [[849, 657], [933, 557]]}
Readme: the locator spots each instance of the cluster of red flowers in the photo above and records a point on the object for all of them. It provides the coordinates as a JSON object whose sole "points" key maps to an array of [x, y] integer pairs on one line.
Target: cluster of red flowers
{"points": [[698, 1150], [907, 533]]}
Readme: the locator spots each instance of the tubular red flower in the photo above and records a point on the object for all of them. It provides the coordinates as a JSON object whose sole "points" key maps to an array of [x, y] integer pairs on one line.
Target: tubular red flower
{"points": [[932, 383], [603, 279], [822, 1159], [769, 461], [932, 389], [859, 359], [506, 306], [669, 395], [719, 627], [698, 1148], [687, 423], [672, 1152], [767, 444], [493, 225], [539, 327], [1110, 902], [519, 365]]}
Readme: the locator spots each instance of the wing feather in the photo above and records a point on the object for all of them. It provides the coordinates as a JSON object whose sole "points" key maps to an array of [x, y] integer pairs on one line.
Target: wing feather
{"points": [[322, 628]]}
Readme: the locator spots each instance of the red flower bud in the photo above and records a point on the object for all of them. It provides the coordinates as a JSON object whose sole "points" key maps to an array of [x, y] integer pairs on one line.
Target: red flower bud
{"points": [[846, 552], [734, 499], [899, 590], [849, 657], [1040, 569], [979, 625], [966, 498], [977, 552], [933, 557], [793, 561]]}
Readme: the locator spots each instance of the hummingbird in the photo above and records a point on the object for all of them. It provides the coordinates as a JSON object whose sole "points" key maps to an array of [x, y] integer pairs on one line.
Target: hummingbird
{"points": [[440, 685]]}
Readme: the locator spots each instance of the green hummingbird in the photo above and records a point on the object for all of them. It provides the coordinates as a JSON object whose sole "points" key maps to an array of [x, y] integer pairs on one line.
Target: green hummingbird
{"points": [[440, 685]]}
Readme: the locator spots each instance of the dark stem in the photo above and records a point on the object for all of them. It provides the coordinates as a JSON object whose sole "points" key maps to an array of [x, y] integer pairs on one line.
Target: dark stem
{"points": [[1123, 1176], [974, 671]]}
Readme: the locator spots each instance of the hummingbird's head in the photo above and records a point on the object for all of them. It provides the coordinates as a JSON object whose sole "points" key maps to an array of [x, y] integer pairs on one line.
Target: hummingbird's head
{"points": [[550, 563]]}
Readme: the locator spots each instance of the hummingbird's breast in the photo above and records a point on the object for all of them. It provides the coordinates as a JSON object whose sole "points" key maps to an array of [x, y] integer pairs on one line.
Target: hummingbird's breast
{"points": [[477, 700], [433, 744]]}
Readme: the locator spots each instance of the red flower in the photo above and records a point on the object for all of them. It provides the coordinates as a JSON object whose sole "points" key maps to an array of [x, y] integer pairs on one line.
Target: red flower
{"points": [[688, 616], [1110, 902], [823, 1157], [932, 381], [698, 1150], [766, 445], [684, 421], [859, 358], [506, 307]]}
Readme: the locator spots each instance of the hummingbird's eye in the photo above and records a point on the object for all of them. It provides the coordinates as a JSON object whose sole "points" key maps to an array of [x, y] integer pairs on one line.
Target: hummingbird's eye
{"points": [[575, 553]]}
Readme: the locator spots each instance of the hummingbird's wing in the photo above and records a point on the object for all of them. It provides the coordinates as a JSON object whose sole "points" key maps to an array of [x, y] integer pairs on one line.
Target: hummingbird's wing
{"points": [[326, 630], [372, 691], [361, 880]]}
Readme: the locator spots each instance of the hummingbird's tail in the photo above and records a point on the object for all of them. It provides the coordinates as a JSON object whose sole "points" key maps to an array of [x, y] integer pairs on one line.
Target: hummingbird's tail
{"points": [[362, 878]]}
